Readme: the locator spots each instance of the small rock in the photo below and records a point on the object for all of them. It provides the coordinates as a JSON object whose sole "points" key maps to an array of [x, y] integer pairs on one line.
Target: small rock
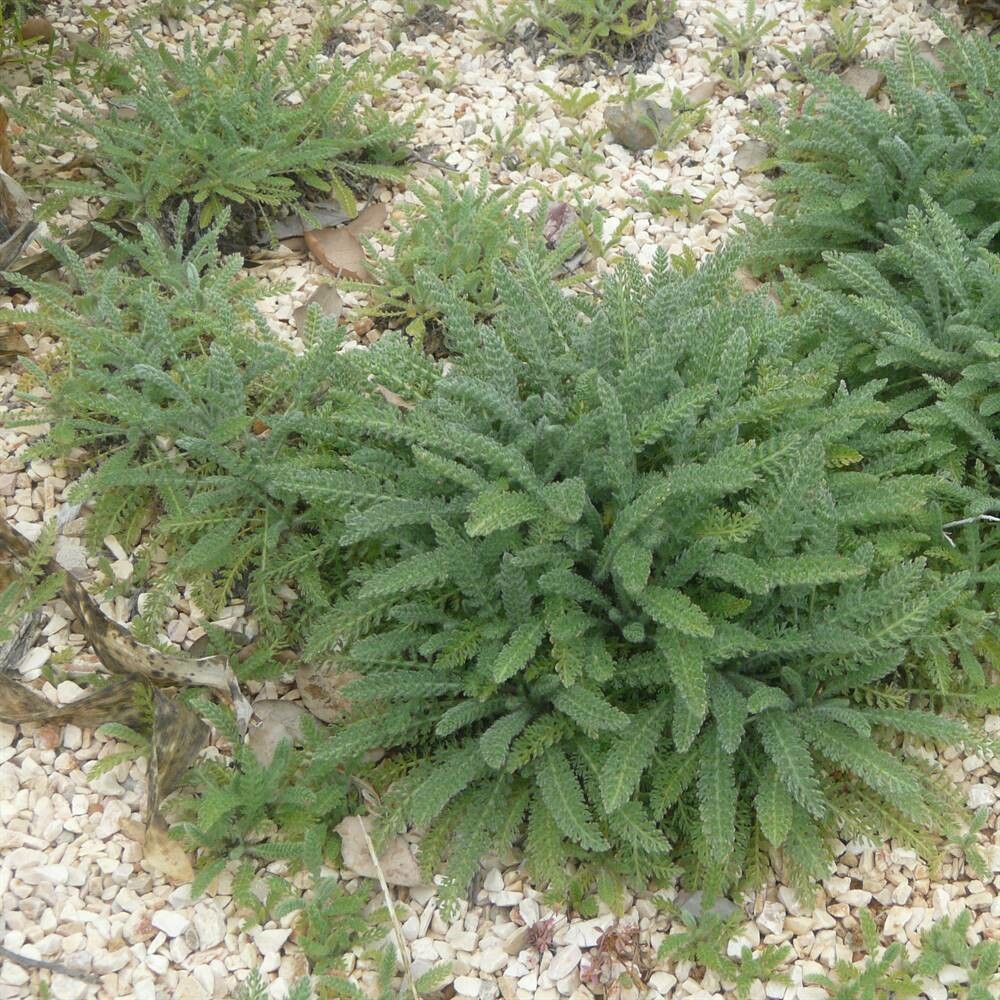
{"points": [[172, 924], [492, 959], [564, 961], [636, 124], [981, 795], [772, 918], [506, 898], [67, 988], [949, 975], [701, 92], [493, 881], [691, 902], [271, 941], [13, 975], [663, 982], [210, 925], [751, 155], [864, 80], [466, 986], [398, 864]]}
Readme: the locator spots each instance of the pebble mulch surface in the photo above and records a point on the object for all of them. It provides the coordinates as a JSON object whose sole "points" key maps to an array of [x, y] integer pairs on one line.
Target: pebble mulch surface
{"points": [[73, 888]]}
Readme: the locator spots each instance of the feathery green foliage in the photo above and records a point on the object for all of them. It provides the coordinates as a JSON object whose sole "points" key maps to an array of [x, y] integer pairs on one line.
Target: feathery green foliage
{"points": [[217, 126], [626, 590], [849, 170], [920, 319], [578, 28], [458, 233], [185, 408], [893, 973]]}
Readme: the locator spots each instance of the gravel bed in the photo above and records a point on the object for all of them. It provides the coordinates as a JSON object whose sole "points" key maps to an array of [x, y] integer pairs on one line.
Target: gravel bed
{"points": [[73, 886]]}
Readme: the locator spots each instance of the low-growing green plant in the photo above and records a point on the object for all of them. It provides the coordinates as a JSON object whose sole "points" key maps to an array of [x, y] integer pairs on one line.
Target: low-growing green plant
{"points": [[217, 126], [245, 810], [705, 942], [458, 233], [735, 64], [746, 35], [848, 170], [921, 319], [497, 25], [665, 202], [578, 28], [894, 974], [627, 592], [184, 407], [573, 102], [848, 36]]}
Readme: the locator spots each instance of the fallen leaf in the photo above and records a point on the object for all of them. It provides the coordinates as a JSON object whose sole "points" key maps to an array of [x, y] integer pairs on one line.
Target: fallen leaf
{"points": [[372, 217], [37, 28], [320, 687], [279, 720], [396, 860], [393, 397], [6, 159], [17, 224], [164, 855], [12, 343], [329, 302], [339, 252], [559, 218]]}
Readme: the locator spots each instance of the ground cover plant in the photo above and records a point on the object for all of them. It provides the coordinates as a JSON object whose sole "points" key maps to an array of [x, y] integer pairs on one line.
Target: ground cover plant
{"points": [[578, 28], [920, 318], [848, 169], [624, 589], [458, 232], [215, 126], [169, 390]]}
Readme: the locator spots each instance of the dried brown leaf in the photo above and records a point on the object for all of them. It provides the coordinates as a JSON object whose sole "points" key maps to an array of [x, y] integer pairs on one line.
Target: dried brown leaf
{"points": [[339, 252], [6, 159], [329, 302], [559, 218], [371, 218]]}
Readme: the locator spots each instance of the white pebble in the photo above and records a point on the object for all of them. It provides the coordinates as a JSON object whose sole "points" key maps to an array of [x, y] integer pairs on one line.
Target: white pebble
{"points": [[171, 923]]}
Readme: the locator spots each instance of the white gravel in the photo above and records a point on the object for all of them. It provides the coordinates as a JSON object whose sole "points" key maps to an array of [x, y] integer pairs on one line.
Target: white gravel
{"points": [[73, 887]]}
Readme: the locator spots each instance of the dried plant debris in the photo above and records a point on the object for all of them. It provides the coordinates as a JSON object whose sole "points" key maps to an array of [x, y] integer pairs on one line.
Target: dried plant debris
{"points": [[176, 733]]}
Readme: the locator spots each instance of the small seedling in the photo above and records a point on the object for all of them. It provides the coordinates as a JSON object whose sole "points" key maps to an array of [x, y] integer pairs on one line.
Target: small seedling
{"points": [[574, 102], [848, 36], [746, 35]]}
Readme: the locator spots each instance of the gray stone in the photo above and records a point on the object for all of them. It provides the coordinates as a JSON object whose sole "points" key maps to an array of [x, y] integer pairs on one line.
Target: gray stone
{"points": [[751, 155], [701, 92], [865, 80], [691, 902], [636, 124]]}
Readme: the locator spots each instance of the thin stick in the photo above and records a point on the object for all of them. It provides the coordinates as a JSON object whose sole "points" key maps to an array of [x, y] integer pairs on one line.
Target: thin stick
{"points": [[397, 930], [989, 518], [56, 967]]}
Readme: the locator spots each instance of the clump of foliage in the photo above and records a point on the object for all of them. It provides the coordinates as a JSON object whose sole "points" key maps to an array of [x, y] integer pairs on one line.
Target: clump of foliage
{"points": [[624, 587], [894, 974], [921, 319], [217, 126], [578, 28], [170, 389], [254, 812], [849, 169], [458, 233], [704, 942]]}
